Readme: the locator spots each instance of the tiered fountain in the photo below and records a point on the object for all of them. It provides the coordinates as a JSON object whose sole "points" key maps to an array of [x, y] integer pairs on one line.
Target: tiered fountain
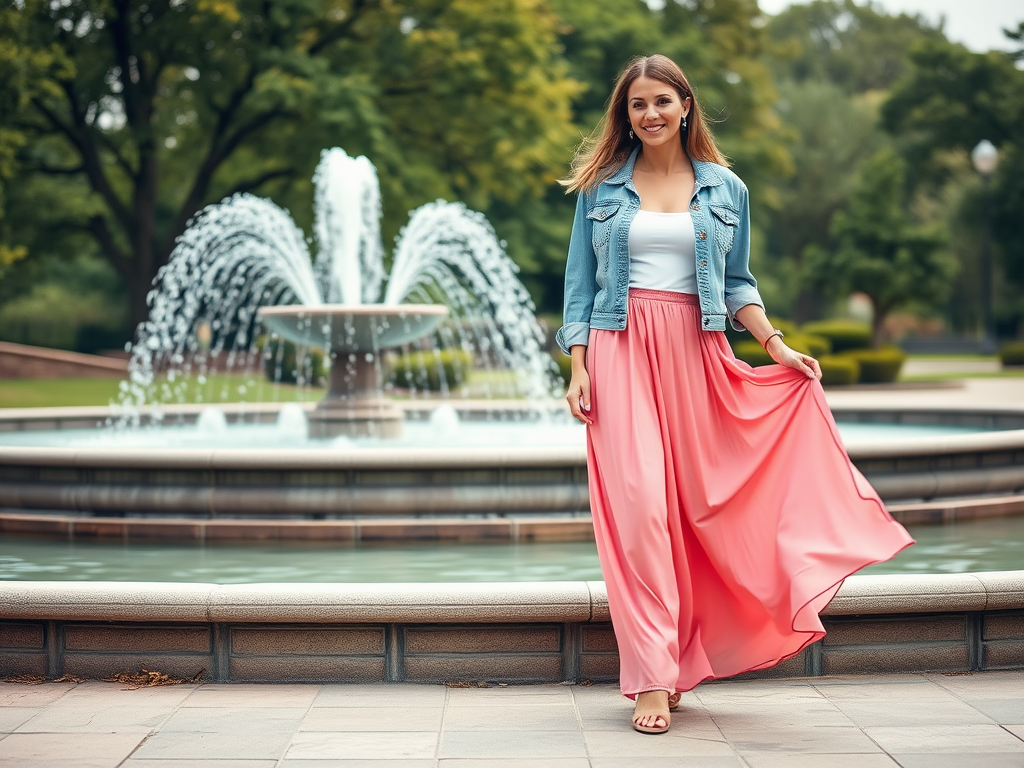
{"points": [[244, 260]]}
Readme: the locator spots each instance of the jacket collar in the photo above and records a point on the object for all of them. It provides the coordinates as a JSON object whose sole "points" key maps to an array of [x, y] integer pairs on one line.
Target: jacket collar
{"points": [[705, 174]]}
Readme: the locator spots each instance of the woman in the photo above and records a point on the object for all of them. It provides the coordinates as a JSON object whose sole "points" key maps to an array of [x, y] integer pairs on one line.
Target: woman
{"points": [[726, 510]]}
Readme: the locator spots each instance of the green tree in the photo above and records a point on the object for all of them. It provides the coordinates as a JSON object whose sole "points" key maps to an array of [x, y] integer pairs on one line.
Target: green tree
{"points": [[833, 61], [855, 47], [157, 109], [832, 133], [952, 99], [881, 250]]}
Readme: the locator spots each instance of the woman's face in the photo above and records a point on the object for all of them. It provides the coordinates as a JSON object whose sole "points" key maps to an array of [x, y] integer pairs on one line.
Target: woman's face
{"points": [[655, 110]]}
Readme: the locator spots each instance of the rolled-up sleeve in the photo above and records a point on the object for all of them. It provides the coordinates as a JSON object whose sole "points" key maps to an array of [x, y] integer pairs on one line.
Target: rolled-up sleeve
{"points": [[740, 285], [580, 281]]}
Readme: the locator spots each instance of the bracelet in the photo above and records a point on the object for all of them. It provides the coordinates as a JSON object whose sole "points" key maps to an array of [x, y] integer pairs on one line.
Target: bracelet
{"points": [[771, 336]]}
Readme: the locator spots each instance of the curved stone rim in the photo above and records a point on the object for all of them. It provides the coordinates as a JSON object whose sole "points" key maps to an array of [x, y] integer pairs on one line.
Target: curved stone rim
{"points": [[1002, 440], [442, 602], [371, 310]]}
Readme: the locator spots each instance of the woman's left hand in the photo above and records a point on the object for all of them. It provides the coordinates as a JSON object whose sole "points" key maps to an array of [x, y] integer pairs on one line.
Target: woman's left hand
{"points": [[790, 358]]}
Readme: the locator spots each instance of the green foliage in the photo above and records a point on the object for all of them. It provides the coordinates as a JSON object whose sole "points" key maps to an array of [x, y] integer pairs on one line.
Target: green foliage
{"points": [[855, 47], [831, 60], [878, 366], [1012, 353], [52, 315], [750, 350], [788, 327], [141, 114], [841, 334], [752, 353], [831, 133], [564, 363], [283, 364], [839, 370], [952, 99], [881, 250], [436, 370], [809, 344]]}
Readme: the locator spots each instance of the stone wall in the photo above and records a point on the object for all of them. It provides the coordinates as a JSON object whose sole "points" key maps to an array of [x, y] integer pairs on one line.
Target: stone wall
{"points": [[517, 633], [18, 361]]}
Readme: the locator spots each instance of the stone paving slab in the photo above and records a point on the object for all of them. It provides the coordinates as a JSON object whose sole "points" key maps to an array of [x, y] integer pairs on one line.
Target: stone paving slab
{"points": [[908, 720]]}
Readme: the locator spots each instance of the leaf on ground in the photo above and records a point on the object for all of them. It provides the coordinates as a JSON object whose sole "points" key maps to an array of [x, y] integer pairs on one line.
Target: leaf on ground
{"points": [[26, 679], [146, 678], [67, 678]]}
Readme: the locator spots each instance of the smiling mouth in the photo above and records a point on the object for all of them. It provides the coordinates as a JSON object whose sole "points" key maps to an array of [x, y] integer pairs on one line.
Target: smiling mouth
{"points": [[653, 128]]}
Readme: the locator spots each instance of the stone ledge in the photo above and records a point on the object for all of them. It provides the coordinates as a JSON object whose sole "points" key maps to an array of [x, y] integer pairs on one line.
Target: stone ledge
{"points": [[18, 361], [442, 603]]}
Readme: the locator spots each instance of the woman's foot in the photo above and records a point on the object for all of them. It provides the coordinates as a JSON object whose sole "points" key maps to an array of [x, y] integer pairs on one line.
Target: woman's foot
{"points": [[651, 714]]}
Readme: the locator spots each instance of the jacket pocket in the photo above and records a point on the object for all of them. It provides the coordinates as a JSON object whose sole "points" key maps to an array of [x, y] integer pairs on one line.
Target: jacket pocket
{"points": [[602, 216], [726, 221]]}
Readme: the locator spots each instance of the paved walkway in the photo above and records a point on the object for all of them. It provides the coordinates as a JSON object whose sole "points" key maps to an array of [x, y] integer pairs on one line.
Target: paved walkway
{"points": [[930, 721], [972, 393]]}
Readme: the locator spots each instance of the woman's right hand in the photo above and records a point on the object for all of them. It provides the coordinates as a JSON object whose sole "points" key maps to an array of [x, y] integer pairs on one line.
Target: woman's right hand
{"points": [[579, 395]]}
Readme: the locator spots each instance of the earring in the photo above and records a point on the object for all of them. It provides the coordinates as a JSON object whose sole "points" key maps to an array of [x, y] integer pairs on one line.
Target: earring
{"points": [[684, 122], [631, 136]]}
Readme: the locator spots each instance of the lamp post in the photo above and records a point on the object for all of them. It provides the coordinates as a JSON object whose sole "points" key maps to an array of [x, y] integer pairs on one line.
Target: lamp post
{"points": [[985, 158]]}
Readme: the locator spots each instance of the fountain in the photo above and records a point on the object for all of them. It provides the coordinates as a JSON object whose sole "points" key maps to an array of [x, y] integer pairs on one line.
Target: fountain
{"points": [[243, 262]]}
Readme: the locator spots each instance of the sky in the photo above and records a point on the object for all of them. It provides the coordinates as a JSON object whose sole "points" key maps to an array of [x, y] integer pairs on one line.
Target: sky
{"points": [[976, 24]]}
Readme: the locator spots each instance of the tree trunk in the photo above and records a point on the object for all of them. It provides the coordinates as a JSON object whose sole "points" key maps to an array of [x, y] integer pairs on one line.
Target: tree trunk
{"points": [[807, 306], [878, 315]]}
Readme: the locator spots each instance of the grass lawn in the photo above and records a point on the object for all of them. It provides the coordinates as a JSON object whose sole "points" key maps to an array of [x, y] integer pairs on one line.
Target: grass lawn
{"points": [[235, 388], [1012, 373], [46, 393], [42, 393]]}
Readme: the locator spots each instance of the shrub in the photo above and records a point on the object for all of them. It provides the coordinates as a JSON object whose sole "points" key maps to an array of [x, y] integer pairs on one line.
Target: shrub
{"points": [[564, 363], [51, 315], [842, 334], [788, 327], [808, 344], [878, 366], [839, 370], [281, 365], [423, 369], [1012, 353], [752, 353]]}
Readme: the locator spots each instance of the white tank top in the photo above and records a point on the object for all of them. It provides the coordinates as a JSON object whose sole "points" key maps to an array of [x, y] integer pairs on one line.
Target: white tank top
{"points": [[662, 252]]}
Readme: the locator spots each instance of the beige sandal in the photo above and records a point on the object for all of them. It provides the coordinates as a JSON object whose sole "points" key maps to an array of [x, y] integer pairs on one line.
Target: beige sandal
{"points": [[673, 701], [659, 714]]}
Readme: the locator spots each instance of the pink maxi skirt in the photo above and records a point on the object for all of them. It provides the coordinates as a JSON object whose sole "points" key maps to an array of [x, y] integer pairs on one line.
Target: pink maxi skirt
{"points": [[726, 510]]}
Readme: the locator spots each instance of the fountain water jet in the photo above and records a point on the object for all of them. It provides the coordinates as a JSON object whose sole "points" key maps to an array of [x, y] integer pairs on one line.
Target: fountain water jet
{"points": [[244, 261]]}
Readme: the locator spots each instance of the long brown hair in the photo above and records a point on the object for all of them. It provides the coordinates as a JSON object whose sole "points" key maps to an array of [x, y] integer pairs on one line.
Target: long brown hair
{"points": [[609, 146]]}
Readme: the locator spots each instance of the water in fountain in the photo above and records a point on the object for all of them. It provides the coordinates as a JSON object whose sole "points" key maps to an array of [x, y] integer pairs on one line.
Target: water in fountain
{"points": [[246, 252]]}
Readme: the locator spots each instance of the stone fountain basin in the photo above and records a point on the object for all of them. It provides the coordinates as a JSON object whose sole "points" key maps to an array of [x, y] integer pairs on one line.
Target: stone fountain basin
{"points": [[354, 327]]}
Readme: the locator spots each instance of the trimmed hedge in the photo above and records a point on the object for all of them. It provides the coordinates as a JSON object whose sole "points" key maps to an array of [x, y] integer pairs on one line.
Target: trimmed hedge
{"points": [[839, 370], [842, 334], [290, 373], [564, 363], [1012, 353], [788, 327], [809, 344], [878, 366], [751, 352], [423, 369]]}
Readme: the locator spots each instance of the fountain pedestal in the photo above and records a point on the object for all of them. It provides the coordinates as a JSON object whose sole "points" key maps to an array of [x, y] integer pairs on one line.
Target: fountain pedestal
{"points": [[354, 336], [354, 405]]}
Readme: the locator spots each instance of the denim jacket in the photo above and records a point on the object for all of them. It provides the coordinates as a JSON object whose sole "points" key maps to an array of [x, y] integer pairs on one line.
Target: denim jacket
{"points": [[597, 269]]}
